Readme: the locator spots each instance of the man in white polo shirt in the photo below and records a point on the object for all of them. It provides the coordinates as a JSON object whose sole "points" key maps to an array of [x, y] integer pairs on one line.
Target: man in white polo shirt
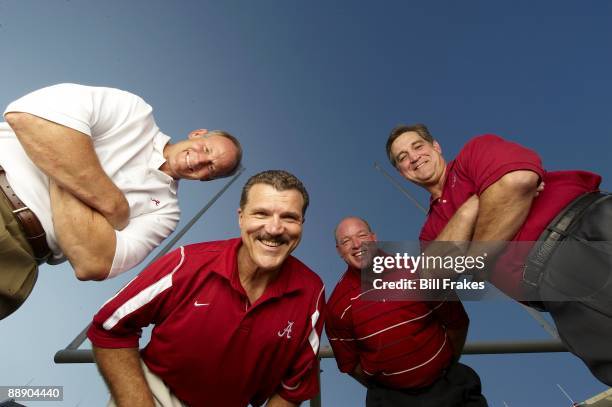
{"points": [[87, 176]]}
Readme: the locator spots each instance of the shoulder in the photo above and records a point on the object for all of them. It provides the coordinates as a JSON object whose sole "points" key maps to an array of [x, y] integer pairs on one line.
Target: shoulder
{"points": [[207, 251], [343, 295], [302, 274], [481, 141]]}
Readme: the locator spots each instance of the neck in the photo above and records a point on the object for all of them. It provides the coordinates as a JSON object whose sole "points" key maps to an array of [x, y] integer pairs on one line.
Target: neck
{"points": [[436, 189], [253, 279], [165, 168]]}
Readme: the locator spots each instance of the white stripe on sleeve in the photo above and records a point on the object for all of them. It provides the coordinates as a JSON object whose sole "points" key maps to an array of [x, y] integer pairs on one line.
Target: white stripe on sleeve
{"points": [[313, 338], [142, 298]]}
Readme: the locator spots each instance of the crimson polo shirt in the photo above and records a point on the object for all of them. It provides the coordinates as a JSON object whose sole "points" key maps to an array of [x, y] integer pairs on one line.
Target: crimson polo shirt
{"points": [[399, 344], [482, 162], [209, 345]]}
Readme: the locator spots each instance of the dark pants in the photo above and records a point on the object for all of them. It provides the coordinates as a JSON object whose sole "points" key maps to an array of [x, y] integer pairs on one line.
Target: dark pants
{"points": [[579, 274], [459, 387]]}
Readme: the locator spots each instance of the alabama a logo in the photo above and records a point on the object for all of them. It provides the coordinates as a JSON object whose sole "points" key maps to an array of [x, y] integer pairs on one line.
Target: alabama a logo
{"points": [[287, 331]]}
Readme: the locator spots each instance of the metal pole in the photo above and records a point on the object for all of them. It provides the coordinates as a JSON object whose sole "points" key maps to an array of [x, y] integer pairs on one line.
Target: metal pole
{"points": [[471, 348], [80, 338]]}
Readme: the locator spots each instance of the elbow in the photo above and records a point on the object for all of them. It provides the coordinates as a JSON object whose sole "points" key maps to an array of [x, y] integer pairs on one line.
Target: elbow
{"points": [[91, 272], [16, 120], [522, 182]]}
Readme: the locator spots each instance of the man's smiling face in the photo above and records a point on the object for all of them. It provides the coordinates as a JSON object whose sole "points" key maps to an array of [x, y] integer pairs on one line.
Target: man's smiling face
{"points": [[270, 226], [203, 156], [352, 236], [418, 160]]}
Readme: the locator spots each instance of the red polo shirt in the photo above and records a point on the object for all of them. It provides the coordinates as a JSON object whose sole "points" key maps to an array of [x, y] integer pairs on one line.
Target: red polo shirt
{"points": [[482, 162], [400, 344], [209, 345]]}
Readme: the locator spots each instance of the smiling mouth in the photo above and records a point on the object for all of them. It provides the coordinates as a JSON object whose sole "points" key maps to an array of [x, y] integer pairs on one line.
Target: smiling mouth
{"points": [[420, 165], [271, 243], [360, 253], [188, 161]]}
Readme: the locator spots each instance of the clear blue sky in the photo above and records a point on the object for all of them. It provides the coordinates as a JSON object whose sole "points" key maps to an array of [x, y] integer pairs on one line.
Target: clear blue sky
{"points": [[314, 87]]}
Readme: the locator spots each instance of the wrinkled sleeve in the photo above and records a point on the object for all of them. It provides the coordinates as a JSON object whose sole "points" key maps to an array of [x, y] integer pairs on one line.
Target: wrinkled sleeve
{"points": [[485, 159], [143, 234], [119, 323], [339, 328], [302, 379], [67, 104]]}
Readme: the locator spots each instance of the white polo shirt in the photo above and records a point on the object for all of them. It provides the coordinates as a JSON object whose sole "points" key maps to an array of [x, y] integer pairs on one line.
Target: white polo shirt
{"points": [[129, 146]]}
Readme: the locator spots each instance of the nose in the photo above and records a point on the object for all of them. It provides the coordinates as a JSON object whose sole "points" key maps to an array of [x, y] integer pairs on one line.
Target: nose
{"points": [[274, 226], [356, 242], [413, 156]]}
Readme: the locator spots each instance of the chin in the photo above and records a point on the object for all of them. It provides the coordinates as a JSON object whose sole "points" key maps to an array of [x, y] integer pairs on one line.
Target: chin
{"points": [[269, 264]]}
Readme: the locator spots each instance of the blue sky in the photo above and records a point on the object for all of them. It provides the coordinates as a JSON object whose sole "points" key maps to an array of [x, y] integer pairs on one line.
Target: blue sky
{"points": [[313, 88]]}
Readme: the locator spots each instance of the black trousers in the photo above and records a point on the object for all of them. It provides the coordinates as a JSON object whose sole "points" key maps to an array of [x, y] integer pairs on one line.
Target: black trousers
{"points": [[459, 387], [579, 274]]}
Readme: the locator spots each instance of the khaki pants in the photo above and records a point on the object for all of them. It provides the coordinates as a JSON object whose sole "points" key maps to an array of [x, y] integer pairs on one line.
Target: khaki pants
{"points": [[162, 395], [18, 269]]}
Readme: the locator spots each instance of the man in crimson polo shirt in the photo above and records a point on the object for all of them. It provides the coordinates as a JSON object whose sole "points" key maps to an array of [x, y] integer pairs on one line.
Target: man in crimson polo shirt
{"points": [[405, 352], [236, 321], [505, 177]]}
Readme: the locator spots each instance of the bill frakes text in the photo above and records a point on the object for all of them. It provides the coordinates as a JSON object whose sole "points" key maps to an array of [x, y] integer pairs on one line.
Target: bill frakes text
{"points": [[423, 262], [427, 284]]}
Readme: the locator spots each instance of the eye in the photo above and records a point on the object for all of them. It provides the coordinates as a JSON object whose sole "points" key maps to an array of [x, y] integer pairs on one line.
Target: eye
{"points": [[401, 157], [418, 146], [292, 218]]}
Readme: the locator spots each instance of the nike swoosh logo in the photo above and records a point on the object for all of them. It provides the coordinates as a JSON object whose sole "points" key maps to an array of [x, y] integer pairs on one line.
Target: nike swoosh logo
{"points": [[201, 304]]}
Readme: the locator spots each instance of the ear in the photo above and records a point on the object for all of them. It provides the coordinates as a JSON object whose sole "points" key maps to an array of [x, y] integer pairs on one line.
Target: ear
{"points": [[239, 212], [374, 236], [338, 250], [199, 133], [437, 147]]}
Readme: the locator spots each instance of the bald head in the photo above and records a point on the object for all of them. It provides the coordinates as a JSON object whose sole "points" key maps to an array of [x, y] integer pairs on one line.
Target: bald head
{"points": [[351, 235]]}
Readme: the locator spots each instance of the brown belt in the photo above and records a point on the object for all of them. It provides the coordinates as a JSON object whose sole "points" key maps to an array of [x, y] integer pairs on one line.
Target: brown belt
{"points": [[33, 230]]}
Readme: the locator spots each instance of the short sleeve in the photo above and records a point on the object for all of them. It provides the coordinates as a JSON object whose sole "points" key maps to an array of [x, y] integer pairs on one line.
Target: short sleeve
{"points": [[68, 104], [341, 337], [119, 323], [301, 382], [485, 159], [143, 234]]}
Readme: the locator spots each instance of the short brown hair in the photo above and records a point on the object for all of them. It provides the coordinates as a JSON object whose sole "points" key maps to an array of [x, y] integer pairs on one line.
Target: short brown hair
{"points": [[278, 179], [400, 129], [236, 144]]}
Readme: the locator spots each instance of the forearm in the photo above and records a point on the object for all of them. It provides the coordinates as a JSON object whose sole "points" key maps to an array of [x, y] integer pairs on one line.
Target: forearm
{"points": [[84, 235], [454, 239], [278, 401], [504, 206], [67, 156], [124, 376]]}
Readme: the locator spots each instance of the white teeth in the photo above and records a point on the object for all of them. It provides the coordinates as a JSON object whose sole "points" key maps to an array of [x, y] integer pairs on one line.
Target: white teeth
{"points": [[271, 243], [360, 253], [189, 162], [419, 166]]}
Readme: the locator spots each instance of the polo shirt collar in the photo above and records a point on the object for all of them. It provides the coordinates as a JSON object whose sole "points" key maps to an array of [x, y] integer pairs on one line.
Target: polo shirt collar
{"points": [[432, 200], [157, 159], [287, 281]]}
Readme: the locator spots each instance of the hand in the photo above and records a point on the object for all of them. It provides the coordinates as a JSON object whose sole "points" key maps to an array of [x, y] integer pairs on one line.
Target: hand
{"points": [[119, 215]]}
